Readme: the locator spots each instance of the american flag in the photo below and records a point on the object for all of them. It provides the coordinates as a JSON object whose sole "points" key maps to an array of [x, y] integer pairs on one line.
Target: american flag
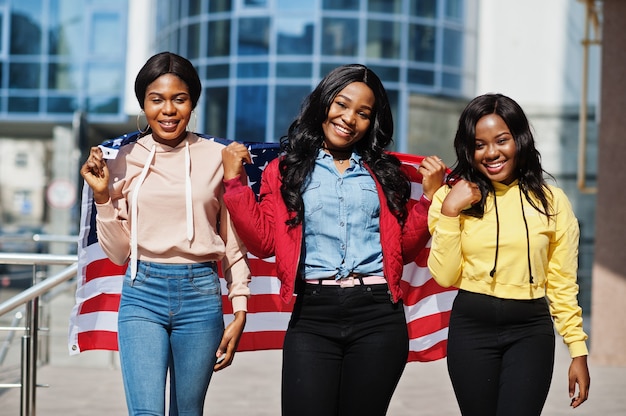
{"points": [[93, 320]]}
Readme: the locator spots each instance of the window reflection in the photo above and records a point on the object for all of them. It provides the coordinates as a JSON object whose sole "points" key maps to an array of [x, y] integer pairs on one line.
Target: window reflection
{"points": [[383, 39], [106, 34], [254, 36], [341, 4], [288, 5], [25, 34], [453, 47], [385, 6], [423, 8], [422, 43], [252, 70], [218, 38], [288, 100], [104, 79], [66, 27], [193, 41], [216, 111], [23, 104], [294, 70], [340, 36], [63, 76], [251, 113], [24, 75], [294, 36]]}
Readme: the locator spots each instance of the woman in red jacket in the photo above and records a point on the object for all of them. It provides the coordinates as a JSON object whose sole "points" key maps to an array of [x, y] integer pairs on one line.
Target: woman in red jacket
{"points": [[333, 211]]}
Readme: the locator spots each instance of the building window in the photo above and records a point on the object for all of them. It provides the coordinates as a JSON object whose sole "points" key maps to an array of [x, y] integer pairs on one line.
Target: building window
{"points": [[383, 39], [251, 113], [21, 160], [294, 36], [340, 37], [254, 36]]}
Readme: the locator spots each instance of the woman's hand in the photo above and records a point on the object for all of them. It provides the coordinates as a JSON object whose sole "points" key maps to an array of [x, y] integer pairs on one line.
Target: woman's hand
{"points": [[96, 174], [578, 374], [433, 171], [462, 196], [233, 157], [226, 351]]}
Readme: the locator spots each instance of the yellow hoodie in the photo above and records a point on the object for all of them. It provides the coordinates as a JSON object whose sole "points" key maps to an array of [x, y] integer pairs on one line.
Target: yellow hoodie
{"points": [[463, 253]]}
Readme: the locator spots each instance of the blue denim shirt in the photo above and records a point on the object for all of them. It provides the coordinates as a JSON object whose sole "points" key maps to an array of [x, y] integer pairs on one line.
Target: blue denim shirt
{"points": [[341, 221]]}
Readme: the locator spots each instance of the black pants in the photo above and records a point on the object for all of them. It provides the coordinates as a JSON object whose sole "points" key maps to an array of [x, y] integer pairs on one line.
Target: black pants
{"points": [[500, 355], [344, 352]]}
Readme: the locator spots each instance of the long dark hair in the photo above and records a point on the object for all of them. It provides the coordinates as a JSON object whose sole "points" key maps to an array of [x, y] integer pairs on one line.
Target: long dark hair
{"points": [[305, 137], [529, 172]]}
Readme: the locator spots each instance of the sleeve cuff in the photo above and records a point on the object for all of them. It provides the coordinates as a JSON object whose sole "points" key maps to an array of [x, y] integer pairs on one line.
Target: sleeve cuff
{"points": [[240, 303], [577, 349]]}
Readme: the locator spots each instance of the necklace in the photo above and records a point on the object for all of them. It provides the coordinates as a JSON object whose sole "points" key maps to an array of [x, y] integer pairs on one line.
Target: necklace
{"points": [[340, 161]]}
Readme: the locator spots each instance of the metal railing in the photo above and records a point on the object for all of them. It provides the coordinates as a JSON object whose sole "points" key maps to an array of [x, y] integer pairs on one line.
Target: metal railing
{"points": [[29, 300]]}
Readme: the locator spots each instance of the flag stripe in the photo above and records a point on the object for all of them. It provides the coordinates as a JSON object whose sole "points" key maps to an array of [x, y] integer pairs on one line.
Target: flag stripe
{"points": [[93, 321]]}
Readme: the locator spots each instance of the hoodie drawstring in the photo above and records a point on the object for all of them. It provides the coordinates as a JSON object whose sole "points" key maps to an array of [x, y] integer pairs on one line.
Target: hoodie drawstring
{"points": [[188, 196], [527, 236], [133, 214], [495, 261]]}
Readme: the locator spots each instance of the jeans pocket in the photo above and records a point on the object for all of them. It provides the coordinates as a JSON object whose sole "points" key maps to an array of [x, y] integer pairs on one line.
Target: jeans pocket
{"points": [[206, 285]]}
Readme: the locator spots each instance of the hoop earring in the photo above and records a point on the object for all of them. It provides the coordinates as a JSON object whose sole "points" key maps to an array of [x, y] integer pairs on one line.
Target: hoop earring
{"points": [[195, 122], [139, 128]]}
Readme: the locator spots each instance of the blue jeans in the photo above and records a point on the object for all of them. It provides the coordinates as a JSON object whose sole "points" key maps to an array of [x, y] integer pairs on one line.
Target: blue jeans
{"points": [[170, 317], [344, 351]]}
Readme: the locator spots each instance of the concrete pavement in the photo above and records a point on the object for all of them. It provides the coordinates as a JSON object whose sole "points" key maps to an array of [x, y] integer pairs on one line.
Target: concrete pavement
{"points": [[90, 384]]}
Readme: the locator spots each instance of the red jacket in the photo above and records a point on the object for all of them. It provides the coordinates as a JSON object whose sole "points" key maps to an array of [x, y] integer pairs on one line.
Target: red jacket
{"points": [[262, 228]]}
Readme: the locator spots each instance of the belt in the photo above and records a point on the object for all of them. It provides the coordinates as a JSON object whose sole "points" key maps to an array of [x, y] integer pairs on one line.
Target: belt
{"points": [[349, 281]]}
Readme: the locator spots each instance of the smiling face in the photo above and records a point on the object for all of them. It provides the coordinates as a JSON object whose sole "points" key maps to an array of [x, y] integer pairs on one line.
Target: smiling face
{"points": [[495, 152], [168, 108], [349, 116]]}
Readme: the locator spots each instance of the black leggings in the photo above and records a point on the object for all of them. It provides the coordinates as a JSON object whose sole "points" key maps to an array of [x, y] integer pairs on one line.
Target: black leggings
{"points": [[344, 351], [500, 355]]}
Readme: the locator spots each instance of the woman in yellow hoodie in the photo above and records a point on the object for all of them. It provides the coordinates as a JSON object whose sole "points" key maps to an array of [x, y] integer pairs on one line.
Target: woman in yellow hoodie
{"points": [[509, 242]]}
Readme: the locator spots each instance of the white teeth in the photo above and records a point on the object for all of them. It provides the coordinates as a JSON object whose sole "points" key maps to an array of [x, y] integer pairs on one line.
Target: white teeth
{"points": [[341, 129], [495, 166]]}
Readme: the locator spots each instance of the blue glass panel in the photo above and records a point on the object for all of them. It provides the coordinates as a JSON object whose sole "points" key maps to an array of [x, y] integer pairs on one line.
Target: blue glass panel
{"points": [[23, 104], [454, 9], [195, 7], [451, 81], [295, 36], [386, 73], [216, 111], [254, 36], [62, 105], [253, 70], [453, 47], [193, 41], [383, 39], [288, 5], [220, 71], [421, 77], [385, 6], [288, 101], [66, 32], [341, 4], [103, 78], [26, 30], [255, 3], [422, 41], [340, 37], [216, 6], [103, 105], [107, 35], [218, 40], [24, 76], [423, 8], [64, 77], [294, 70], [251, 113]]}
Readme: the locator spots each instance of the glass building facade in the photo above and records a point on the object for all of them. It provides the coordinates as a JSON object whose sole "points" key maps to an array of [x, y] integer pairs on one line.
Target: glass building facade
{"points": [[62, 56], [259, 58]]}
